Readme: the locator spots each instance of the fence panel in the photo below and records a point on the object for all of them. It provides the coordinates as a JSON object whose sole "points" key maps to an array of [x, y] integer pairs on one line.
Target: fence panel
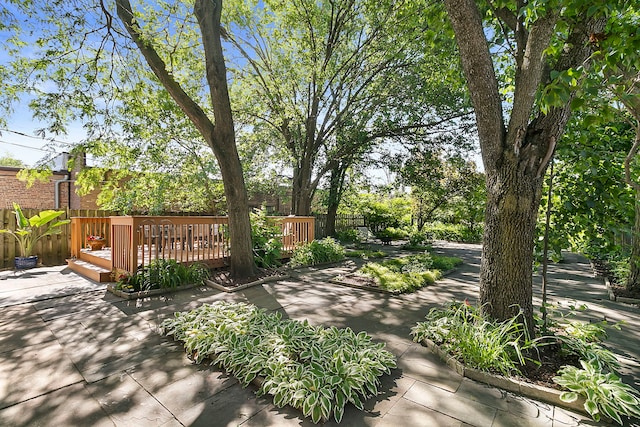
{"points": [[51, 250]]}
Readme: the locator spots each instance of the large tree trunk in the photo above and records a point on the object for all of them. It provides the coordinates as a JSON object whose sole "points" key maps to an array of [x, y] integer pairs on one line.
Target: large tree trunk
{"points": [[336, 186], [301, 192], [507, 254], [516, 155], [221, 136], [223, 141], [633, 280]]}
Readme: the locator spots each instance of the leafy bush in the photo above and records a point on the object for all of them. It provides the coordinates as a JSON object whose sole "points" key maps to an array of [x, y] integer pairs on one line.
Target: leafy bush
{"points": [[605, 393], [267, 239], [364, 254], [462, 331], [407, 274], [317, 252], [392, 233], [350, 235], [394, 281], [417, 238], [163, 274], [313, 369], [453, 232]]}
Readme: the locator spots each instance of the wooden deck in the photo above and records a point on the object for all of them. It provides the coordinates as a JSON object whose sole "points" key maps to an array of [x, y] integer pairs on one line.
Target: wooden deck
{"points": [[135, 241]]}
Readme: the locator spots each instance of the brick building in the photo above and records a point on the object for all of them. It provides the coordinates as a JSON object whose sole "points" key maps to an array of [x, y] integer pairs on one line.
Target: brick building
{"points": [[57, 193]]}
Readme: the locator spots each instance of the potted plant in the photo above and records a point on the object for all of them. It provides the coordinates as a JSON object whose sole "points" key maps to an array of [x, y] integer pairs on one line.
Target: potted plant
{"points": [[30, 230], [95, 242]]}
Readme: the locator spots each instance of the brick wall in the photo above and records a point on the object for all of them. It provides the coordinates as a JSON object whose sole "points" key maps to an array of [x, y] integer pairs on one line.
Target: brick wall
{"points": [[40, 195]]}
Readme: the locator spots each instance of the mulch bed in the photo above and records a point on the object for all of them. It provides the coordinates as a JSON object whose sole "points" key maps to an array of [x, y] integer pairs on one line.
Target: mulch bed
{"points": [[221, 279]]}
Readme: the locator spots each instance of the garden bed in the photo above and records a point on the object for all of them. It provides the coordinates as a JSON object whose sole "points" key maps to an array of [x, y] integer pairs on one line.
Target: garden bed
{"points": [[131, 294], [529, 389], [221, 280]]}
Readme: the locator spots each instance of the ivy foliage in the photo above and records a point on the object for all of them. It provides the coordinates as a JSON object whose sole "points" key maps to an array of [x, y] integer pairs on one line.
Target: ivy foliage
{"points": [[317, 370]]}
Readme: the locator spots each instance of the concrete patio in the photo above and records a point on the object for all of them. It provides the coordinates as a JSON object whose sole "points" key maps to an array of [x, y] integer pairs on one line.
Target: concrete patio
{"points": [[72, 354]]}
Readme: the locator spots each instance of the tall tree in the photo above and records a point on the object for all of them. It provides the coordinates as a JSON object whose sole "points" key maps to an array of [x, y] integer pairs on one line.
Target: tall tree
{"points": [[546, 43], [86, 58], [316, 70]]}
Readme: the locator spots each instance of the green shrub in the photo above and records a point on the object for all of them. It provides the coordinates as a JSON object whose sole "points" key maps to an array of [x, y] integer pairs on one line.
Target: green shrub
{"points": [[350, 235], [462, 331], [364, 253], [163, 274], [317, 252], [605, 393], [313, 369], [417, 238], [395, 281], [266, 236], [407, 274], [453, 232], [392, 233]]}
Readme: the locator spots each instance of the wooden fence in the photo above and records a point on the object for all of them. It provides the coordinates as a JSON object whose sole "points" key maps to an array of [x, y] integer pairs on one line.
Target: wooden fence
{"points": [[51, 250], [343, 222]]}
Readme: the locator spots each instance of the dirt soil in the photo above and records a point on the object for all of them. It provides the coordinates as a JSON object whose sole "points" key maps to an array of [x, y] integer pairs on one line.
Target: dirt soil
{"points": [[223, 277]]}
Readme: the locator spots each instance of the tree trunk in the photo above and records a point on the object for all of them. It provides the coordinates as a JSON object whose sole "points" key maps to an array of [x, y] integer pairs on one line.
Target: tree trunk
{"points": [[223, 141], [507, 253], [221, 136], [633, 281], [301, 190], [336, 185], [516, 156]]}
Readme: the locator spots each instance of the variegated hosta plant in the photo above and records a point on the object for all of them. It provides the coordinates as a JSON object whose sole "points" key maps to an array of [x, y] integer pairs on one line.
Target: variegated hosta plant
{"points": [[311, 368]]}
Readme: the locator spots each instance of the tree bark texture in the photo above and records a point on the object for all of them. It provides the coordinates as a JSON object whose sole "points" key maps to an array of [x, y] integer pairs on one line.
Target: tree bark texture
{"points": [[516, 156], [221, 136]]}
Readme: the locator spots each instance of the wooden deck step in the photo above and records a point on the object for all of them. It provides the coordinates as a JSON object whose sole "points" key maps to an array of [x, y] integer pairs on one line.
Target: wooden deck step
{"points": [[91, 271]]}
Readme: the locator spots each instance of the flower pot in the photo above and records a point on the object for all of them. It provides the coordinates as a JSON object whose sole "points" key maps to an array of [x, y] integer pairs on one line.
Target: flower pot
{"points": [[96, 245], [25, 263]]}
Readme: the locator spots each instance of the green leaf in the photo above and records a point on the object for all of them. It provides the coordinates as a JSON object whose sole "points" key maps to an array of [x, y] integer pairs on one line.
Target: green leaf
{"points": [[568, 396]]}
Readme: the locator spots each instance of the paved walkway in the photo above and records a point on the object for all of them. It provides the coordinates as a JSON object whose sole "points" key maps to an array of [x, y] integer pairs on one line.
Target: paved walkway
{"points": [[73, 355]]}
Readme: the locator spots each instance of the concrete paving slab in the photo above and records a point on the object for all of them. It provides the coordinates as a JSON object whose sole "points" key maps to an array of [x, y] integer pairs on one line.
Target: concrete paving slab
{"points": [[68, 406], [32, 371], [230, 407], [127, 403], [21, 326], [445, 402], [110, 339], [19, 287], [422, 365], [409, 413]]}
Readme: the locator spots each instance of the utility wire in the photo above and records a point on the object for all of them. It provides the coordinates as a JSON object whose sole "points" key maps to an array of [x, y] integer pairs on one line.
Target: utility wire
{"points": [[26, 146], [36, 137]]}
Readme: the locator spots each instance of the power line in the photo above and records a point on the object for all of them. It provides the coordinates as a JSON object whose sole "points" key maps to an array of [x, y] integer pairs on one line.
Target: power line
{"points": [[37, 137], [26, 146]]}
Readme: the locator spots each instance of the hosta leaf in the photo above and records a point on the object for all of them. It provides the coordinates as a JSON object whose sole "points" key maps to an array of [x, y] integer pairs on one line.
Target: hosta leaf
{"points": [[569, 396], [338, 412], [325, 403], [316, 413], [591, 407], [340, 398]]}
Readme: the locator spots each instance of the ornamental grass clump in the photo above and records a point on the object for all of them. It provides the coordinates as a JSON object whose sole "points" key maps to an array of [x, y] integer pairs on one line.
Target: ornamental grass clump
{"points": [[462, 331], [311, 368]]}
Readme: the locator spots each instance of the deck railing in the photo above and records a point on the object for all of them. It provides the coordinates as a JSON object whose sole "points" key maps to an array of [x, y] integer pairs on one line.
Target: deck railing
{"points": [[135, 241]]}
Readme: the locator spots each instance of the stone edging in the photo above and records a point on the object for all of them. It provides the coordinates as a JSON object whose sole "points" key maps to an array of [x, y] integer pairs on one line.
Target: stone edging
{"points": [[545, 394], [143, 294], [613, 297], [228, 289]]}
